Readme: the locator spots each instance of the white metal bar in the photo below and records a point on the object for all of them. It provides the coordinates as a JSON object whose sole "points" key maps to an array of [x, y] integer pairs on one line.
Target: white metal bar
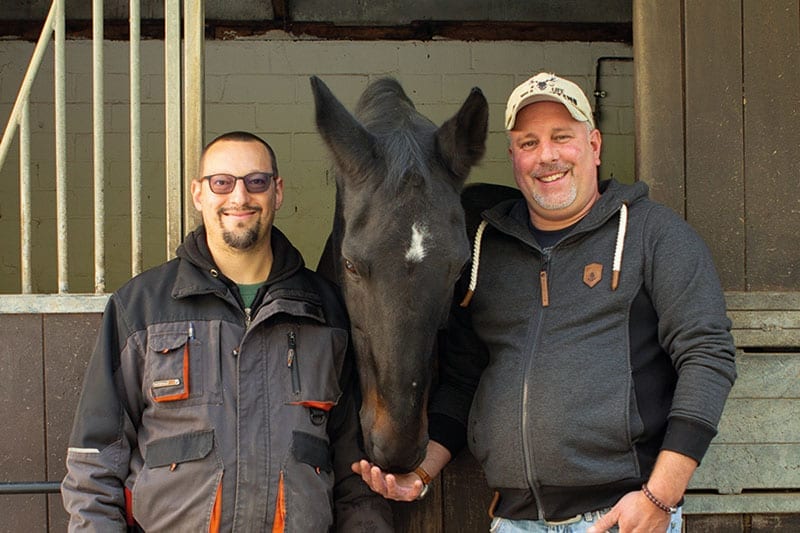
{"points": [[61, 150], [172, 75], [52, 303], [30, 76], [25, 219], [193, 94], [98, 135], [136, 139]]}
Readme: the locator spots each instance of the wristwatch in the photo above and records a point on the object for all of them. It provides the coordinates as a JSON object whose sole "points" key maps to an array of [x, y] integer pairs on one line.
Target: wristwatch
{"points": [[426, 481]]}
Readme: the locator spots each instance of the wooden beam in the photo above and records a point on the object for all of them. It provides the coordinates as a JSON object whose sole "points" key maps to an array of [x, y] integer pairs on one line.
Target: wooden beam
{"points": [[117, 30]]}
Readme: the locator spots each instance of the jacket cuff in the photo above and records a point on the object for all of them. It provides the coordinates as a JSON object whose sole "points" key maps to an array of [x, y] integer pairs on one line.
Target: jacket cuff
{"points": [[688, 437], [448, 432]]}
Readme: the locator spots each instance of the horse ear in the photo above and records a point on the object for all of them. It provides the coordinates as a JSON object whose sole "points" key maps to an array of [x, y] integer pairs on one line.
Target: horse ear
{"points": [[352, 146], [461, 140]]}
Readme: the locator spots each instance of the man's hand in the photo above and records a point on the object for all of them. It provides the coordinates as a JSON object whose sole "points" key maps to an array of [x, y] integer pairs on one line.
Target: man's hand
{"points": [[634, 513], [400, 487]]}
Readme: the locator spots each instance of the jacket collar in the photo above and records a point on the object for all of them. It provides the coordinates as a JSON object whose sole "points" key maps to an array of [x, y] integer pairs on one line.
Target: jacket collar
{"points": [[198, 273]]}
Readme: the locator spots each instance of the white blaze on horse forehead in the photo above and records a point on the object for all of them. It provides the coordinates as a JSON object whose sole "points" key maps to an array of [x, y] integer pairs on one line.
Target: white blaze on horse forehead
{"points": [[416, 250]]}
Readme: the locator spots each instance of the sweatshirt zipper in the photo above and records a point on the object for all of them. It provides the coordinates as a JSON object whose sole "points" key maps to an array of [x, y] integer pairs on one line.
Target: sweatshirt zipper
{"points": [[526, 446], [291, 360], [543, 282]]}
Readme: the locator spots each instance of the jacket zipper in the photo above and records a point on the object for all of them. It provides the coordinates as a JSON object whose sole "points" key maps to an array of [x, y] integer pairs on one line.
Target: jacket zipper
{"points": [[291, 360], [247, 318]]}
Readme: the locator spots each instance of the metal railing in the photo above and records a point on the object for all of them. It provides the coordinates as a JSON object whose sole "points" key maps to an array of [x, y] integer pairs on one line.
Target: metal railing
{"points": [[182, 158], [183, 121]]}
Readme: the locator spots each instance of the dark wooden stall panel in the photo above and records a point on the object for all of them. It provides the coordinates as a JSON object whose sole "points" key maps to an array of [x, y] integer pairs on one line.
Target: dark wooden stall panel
{"points": [[69, 340], [772, 149], [22, 457], [658, 57], [714, 142]]}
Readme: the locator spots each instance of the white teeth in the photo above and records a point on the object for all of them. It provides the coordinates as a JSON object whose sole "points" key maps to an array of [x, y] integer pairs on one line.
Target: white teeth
{"points": [[552, 177]]}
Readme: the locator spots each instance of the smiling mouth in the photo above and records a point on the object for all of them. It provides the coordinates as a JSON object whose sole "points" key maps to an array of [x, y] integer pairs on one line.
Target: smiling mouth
{"points": [[552, 177], [242, 212]]}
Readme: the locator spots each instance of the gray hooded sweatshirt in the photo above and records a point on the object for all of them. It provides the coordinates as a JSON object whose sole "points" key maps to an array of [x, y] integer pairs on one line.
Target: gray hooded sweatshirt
{"points": [[571, 373]]}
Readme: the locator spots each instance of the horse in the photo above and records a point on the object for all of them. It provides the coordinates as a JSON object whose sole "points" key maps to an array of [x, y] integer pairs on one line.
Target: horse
{"points": [[397, 247]]}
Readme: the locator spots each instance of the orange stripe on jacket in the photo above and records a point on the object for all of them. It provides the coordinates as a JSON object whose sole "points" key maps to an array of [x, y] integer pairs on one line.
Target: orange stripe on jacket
{"points": [[279, 524], [216, 511]]}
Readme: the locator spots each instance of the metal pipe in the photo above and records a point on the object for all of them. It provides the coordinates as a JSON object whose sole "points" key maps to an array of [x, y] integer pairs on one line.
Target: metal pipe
{"points": [[61, 150], [172, 102], [30, 76], [136, 140], [25, 219], [32, 487], [98, 136], [194, 23]]}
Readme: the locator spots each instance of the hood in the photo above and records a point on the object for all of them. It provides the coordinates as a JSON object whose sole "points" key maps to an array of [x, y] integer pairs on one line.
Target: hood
{"points": [[511, 216], [286, 261]]}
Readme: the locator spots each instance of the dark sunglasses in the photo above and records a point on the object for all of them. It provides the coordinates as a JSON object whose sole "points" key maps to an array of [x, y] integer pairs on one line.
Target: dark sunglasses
{"points": [[225, 183]]}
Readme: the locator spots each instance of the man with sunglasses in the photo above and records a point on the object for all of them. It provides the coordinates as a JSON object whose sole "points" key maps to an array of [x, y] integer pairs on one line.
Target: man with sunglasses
{"points": [[220, 394]]}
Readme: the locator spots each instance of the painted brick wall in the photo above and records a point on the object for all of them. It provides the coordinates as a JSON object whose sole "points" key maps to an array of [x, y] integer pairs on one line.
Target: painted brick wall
{"points": [[262, 86]]}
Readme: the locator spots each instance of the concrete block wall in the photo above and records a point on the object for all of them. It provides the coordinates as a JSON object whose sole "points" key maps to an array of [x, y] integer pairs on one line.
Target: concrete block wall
{"points": [[261, 86]]}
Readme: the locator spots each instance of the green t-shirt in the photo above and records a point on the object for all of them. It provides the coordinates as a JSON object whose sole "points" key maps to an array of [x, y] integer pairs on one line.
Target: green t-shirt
{"points": [[248, 292]]}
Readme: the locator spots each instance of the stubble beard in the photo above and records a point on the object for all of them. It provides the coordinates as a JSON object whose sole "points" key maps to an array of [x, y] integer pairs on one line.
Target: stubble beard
{"points": [[561, 201]]}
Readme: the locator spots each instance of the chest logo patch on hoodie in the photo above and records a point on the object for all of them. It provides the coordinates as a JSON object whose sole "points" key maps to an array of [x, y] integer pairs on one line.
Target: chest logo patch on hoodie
{"points": [[592, 274]]}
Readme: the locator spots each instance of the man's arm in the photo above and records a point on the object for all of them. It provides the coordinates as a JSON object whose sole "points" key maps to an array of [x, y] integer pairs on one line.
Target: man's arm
{"points": [[99, 447], [636, 512]]}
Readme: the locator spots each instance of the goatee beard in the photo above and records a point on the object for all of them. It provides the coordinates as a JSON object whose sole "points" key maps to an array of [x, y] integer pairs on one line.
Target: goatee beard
{"points": [[243, 240]]}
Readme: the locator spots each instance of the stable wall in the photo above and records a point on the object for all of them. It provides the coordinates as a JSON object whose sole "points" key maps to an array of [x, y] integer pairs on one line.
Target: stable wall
{"points": [[262, 86]]}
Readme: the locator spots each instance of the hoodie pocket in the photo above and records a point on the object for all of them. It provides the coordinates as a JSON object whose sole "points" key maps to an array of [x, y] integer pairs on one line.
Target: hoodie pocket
{"points": [[178, 484]]}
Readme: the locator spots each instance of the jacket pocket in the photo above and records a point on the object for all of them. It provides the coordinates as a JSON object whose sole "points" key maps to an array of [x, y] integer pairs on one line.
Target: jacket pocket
{"points": [[307, 476], [312, 451], [177, 487], [182, 365], [314, 356]]}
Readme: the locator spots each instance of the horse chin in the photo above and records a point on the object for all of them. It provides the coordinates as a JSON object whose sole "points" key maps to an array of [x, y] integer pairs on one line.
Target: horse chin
{"points": [[394, 449], [393, 456]]}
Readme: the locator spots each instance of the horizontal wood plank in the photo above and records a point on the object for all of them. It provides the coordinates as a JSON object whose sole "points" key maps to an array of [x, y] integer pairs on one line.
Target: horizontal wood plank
{"points": [[748, 421], [767, 375], [761, 503], [732, 468], [739, 300]]}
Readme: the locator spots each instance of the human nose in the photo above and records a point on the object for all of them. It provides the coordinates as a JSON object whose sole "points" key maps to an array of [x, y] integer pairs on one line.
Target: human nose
{"points": [[548, 151], [239, 192]]}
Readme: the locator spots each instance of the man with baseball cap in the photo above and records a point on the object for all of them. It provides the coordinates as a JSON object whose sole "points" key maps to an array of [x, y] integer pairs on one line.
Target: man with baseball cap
{"points": [[590, 358]]}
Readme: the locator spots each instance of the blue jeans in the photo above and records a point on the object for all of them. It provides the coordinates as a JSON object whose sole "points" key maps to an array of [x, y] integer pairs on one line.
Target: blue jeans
{"points": [[576, 525]]}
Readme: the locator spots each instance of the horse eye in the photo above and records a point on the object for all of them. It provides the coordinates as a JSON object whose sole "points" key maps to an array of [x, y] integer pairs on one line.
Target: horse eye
{"points": [[350, 267]]}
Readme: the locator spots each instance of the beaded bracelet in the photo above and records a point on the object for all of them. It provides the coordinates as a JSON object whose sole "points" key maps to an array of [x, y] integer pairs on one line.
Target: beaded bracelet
{"points": [[658, 503]]}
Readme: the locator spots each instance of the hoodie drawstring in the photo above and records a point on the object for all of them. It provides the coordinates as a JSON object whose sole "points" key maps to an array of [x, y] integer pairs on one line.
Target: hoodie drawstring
{"points": [[476, 258], [616, 269]]}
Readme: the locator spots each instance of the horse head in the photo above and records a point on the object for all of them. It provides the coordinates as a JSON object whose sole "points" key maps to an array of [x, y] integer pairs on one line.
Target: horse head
{"points": [[397, 247]]}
